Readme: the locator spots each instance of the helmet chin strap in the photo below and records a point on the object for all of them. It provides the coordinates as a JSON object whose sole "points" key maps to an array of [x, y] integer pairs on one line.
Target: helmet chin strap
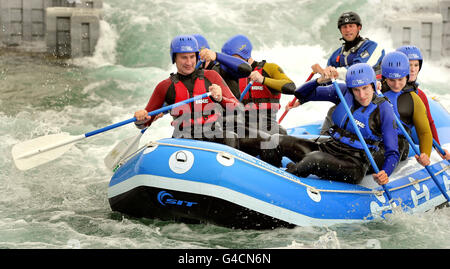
{"points": [[353, 45], [356, 37]]}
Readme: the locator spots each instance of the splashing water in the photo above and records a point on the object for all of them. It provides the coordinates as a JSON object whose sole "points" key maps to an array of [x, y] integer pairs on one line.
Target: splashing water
{"points": [[63, 204]]}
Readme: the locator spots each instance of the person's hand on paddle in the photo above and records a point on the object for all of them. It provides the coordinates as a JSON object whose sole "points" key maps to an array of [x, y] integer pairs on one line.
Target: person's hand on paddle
{"points": [[446, 156], [327, 74], [142, 116], [381, 178], [256, 77], [207, 56], [423, 159], [316, 68], [294, 105], [216, 92]]}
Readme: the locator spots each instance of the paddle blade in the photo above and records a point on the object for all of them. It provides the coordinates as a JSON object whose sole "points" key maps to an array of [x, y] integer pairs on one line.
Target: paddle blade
{"points": [[124, 148], [43, 149]]}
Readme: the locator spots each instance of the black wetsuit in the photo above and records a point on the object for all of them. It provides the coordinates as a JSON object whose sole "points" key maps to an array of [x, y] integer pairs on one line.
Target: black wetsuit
{"points": [[335, 159], [165, 92], [412, 113]]}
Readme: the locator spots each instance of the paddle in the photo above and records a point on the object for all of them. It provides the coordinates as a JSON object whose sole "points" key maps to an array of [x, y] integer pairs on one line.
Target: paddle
{"points": [[249, 85], [123, 149], [417, 151], [295, 99], [37, 151], [361, 139], [438, 147], [198, 64]]}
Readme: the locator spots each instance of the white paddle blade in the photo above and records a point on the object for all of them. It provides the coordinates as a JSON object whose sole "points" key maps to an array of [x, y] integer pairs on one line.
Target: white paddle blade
{"points": [[37, 151], [121, 150]]}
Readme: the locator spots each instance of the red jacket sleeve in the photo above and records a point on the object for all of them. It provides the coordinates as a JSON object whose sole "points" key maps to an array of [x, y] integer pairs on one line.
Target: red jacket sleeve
{"points": [[424, 99], [158, 97], [228, 99]]}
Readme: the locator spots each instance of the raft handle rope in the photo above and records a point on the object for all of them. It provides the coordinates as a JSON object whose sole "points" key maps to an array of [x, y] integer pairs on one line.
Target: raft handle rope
{"points": [[311, 188]]}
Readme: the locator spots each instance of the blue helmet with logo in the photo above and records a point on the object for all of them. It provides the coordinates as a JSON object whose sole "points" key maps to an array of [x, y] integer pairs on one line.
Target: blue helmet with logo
{"points": [[395, 65], [202, 42], [360, 74], [413, 53], [183, 44], [240, 45]]}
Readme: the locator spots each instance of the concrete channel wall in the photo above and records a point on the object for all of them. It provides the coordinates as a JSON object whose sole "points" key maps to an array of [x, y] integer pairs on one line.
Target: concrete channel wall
{"points": [[72, 32], [64, 28], [70, 28], [445, 11], [427, 29]]}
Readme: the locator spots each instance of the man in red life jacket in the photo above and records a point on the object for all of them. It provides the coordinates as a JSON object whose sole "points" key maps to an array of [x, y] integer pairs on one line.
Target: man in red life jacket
{"points": [[198, 120], [415, 65]]}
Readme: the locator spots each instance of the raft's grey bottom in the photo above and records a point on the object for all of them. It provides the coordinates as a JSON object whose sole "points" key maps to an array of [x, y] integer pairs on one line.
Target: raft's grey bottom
{"points": [[183, 192]]}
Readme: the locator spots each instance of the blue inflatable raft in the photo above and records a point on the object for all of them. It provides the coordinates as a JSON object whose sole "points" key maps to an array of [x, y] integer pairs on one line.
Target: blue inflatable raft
{"points": [[201, 182]]}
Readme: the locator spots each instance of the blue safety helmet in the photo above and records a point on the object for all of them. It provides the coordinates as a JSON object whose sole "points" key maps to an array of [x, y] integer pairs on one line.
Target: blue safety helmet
{"points": [[395, 65], [413, 53], [360, 74], [183, 44], [240, 45], [202, 42]]}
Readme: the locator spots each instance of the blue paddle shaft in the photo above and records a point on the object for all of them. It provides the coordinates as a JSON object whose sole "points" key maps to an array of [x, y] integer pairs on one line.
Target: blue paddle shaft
{"points": [[152, 113], [245, 91], [417, 151], [439, 148], [358, 133], [198, 64], [436, 145]]}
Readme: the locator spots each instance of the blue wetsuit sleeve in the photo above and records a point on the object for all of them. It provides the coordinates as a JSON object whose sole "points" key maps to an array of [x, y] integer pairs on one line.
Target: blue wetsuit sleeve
{"points": [[239, 67], [390, 138], [312, 91]]}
